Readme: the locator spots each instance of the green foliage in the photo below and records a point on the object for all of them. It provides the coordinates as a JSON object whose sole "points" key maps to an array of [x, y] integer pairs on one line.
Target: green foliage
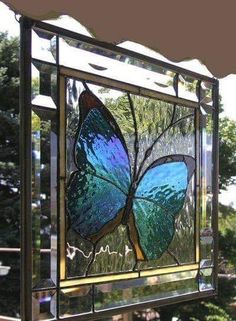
{"points": [[9, 73], [211, 313], [227, 246], [227, 157], [9, 172]]}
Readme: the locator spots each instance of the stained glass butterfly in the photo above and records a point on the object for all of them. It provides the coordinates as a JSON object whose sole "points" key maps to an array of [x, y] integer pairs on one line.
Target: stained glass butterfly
{"points": [[104, 193]]}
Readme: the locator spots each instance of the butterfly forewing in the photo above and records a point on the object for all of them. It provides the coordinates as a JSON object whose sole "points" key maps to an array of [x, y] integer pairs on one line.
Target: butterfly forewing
{"points": [[97, 191]]}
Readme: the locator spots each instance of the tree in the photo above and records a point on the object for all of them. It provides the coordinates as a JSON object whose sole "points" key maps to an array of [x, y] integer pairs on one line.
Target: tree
{"points": [[227, 157], [9, 172]]}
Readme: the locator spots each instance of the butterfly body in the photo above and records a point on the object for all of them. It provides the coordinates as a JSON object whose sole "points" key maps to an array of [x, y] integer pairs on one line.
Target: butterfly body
{"points": [[128, 205], [105, 191]]}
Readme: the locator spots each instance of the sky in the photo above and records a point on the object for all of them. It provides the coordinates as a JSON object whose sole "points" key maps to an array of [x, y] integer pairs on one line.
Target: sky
{"points": [[227, 85]]}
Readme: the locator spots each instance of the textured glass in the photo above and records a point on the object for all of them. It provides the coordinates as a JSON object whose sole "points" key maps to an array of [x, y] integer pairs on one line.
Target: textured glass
{"points": [[74, 301], [158, 199], [113, 252], [122, 293], [44, 85], [44, 46], [44, 210], [103, 174], [163, 129], [74, 89], [91, 213]]}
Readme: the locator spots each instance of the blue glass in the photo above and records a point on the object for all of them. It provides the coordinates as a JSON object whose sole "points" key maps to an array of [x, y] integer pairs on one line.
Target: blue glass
{"points": [[96, 193], [158, 199], [103, 151], [92, 203]]}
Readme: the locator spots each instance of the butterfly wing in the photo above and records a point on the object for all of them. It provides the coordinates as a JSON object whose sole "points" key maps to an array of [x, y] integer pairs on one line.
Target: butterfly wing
{"points": [[158, 199], [97, 191]]}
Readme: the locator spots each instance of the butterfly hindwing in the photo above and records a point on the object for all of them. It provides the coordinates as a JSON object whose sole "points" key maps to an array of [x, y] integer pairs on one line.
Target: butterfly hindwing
{"points": [[158, 199], [97, 190]]}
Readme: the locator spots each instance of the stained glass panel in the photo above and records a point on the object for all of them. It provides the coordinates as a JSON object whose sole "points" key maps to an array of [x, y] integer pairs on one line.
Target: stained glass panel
{"points": [[122, 178], [121, 256]]}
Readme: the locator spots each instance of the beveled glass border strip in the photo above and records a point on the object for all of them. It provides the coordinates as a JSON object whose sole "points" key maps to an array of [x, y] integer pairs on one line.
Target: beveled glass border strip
{"points": [[129, 275], [197, 182], [115, 84], [99, 279], [117, 49], [166, 270], [62, 175]]}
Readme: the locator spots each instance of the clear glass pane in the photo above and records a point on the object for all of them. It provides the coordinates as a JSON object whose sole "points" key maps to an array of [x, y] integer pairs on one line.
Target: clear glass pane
{"points": [[44, 305], [44, 198], [206, 279], [206, 93], [115, 66], [187, 88], [74, 301], [206, 232], [44, 46], [44, 85], [124, 293]]}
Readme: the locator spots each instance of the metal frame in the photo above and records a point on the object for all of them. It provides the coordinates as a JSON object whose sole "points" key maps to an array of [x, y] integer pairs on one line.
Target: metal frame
{"points": [[25, 163], [25, 138]]}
